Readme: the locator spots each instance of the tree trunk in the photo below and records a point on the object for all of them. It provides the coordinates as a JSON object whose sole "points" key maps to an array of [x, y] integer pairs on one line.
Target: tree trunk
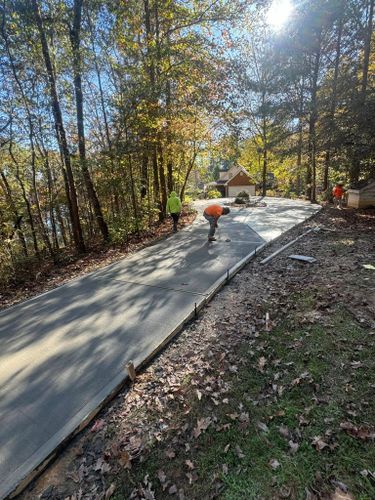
{"points": [[50, 200], [265, 145], [355, 170], [75, 40], [168, 137], [311, 172], [32, 147], [61, 135], [367, 51], [134, 198], [189, 169], [26, 201], [155, 175], [62, 225], [163, 186], [332, 111], [150, 68], [17, 216], [264, 172], [42, 226], [144, 175]]}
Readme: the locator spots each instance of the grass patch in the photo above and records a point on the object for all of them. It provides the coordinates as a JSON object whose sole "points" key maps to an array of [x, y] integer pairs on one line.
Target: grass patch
{"points": [[308, 386]]}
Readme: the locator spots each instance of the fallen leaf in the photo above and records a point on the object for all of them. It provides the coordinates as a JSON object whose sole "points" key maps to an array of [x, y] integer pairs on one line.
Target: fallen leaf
{"points": [[162, 477], [98, 426], [279, 413], [192, 476], [285, 492], [226, 448], [318, 443], [225, 469], [296, 381], [352, 413], [170, 453], [262, 426], [284, 431], [293, 446], [366, 473], [362, 432], [262, 363], [303, 420], [173, 489], [356, 364], [73, 476], [340, 495], [341, 485], [275, 464], [110, 491], [202, 425], [125, 459], [199, 394], [239, 452], [101, 466], [190, 464]]}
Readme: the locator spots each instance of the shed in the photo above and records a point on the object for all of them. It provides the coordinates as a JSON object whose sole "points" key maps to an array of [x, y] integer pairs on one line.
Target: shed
{"points": [[363, 196]]}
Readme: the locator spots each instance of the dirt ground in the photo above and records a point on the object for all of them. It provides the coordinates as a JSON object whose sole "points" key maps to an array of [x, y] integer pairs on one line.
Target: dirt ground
{"points": [[240, 406]]}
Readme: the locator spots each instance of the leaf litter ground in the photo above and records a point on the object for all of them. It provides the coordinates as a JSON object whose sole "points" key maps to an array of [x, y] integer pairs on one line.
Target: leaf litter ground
{"points": [[238, 407]]}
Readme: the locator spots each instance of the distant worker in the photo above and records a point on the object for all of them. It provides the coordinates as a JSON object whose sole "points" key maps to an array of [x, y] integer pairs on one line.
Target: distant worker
{"points": [[174, 207], [212, 213], [338, 193]]}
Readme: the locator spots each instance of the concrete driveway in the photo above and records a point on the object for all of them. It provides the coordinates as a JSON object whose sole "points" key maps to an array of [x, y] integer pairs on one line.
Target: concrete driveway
{"points": [[62, 353]]}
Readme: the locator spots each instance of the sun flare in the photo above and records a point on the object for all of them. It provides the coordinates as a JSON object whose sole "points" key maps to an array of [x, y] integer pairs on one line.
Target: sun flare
{"points": [[279, 13]]}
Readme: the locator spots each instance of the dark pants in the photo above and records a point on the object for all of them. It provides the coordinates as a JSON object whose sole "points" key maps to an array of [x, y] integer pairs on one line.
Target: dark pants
{"points": [[213, 224], [175, 218]]}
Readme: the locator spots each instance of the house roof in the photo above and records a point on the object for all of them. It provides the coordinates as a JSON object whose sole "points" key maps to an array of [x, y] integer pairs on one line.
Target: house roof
{"points": [[224, 182]]}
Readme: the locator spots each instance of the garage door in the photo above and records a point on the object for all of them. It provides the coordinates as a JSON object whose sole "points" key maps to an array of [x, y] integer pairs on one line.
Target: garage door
{"points": [[234, 190]]}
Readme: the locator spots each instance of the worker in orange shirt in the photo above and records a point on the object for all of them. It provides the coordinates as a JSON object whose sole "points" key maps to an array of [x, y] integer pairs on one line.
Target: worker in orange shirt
{"points": [[212, 214], [338, 193]]}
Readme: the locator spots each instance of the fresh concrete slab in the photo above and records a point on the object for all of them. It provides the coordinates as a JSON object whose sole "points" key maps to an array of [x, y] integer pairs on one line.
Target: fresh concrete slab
{"points": [[62, 353]]}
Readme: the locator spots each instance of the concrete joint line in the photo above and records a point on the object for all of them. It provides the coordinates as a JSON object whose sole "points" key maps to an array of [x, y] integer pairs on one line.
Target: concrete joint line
{"points": [[155, 286]]}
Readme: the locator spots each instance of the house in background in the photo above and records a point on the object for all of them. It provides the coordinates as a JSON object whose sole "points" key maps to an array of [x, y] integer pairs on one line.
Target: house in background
{"points": [[233, 181], [363, 196]]}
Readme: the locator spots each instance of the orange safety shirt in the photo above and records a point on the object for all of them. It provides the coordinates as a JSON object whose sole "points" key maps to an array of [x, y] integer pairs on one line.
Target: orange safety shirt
{"points": [[214, 211], [338, 191]]}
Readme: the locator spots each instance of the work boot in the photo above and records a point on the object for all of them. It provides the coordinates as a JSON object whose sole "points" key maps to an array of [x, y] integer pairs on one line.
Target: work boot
{"points": [[211, 238]]}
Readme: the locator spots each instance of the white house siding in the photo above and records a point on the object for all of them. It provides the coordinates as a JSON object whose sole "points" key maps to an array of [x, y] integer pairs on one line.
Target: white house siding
{"points": [[234, 190]]}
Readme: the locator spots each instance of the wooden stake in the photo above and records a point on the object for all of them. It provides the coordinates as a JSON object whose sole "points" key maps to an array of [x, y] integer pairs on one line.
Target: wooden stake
{"points": [[268, 322], [131, 370]]}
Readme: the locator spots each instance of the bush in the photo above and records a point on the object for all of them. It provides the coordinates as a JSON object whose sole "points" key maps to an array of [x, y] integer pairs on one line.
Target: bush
{"points": [[188, 199], [243, 194], [194, 194], [213, 194], [6, 264], [242, 198]]}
